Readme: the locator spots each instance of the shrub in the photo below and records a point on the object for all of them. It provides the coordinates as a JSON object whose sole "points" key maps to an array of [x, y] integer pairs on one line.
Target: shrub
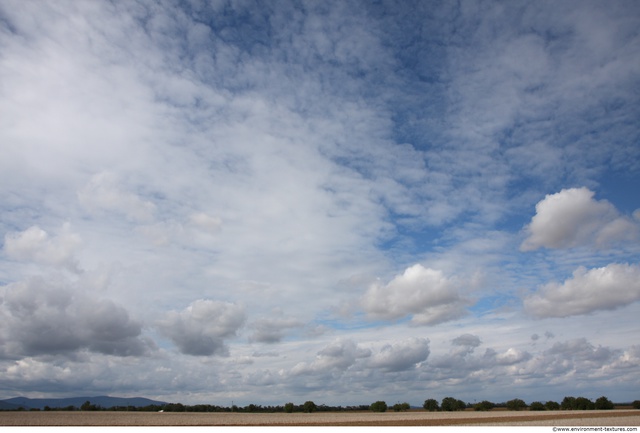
{"points": [[431, 405]]}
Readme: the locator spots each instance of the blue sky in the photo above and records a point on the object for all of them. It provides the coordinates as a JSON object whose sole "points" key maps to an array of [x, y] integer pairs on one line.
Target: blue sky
{"points": [[343, 202]]}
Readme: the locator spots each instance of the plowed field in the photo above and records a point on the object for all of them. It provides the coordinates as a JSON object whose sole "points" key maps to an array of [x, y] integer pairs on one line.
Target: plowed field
{"points": [[410, 418]]}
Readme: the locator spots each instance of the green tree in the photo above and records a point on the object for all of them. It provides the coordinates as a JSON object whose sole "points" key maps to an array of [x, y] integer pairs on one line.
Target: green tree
{"points": [[88, 406], [536, 405], [309, 407], [378, 406], [431, 405], [636, 404], [401, 407], [552, 405], [450, 404], [568, 403], [583, 403], [288, 408], [516, 404], [603, 403], [484, 406]]}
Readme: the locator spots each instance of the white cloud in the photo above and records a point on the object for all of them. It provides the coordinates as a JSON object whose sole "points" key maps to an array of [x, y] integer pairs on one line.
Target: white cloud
{"points": [[200, 329], [425, 294], [573, 218], [35, 244], [512, 356], [613, 286]]}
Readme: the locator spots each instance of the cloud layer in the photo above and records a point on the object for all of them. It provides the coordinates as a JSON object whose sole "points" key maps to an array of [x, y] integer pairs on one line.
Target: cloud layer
{"points": [[206, 202]]}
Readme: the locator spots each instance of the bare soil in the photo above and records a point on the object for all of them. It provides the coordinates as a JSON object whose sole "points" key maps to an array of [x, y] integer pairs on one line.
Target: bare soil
{"points": [[410, 418]]}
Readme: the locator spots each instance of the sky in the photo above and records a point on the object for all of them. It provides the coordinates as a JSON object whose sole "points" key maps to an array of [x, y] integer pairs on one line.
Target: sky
{"points": [[280, 201]]}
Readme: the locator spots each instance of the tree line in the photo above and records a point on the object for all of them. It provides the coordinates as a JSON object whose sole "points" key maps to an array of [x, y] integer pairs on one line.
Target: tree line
{"points": [[568, 403], [448, 404]]}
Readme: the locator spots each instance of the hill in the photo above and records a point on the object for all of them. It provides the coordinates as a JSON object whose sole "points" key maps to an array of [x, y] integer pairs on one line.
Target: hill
{"points": [[102, 401]]}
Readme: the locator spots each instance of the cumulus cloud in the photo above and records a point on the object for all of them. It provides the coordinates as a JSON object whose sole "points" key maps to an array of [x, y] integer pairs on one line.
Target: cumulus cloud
{"points": [[425, 294], [465, 344], [36, 245], [46, 317], [629, 358], [510, 357], [200, 329], [613, 286], [573, 218], [462, 360], [402, 355]]}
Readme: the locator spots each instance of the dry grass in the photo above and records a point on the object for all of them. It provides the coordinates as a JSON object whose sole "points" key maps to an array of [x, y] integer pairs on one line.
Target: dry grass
{"points": [[410, 418]]}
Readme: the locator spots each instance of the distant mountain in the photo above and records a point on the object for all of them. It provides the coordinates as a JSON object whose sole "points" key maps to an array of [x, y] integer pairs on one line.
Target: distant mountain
{"points": [[8, 406], [102, 401]]}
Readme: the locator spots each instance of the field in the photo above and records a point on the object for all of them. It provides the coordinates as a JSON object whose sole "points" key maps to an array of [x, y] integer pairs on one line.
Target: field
{"points": [[410, 418]]}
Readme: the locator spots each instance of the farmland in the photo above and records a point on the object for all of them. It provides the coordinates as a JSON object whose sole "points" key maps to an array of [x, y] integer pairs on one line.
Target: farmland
{"points": [[619, 417]]}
